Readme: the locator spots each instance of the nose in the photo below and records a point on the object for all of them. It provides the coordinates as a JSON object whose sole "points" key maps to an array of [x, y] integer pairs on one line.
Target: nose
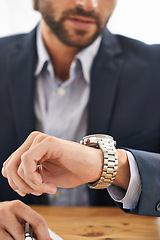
{"points": [[87, 5]]}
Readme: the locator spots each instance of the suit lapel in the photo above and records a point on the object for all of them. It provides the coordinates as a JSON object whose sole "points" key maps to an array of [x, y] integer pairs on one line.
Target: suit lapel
{"points": [[105, 76], [22, 60]]}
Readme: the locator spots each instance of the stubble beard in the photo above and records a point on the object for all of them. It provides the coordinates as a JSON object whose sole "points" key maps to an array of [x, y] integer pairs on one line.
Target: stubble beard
{"points": [[58, 28]]}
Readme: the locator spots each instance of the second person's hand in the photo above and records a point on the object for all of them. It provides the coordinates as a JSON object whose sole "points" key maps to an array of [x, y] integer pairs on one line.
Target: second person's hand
{"points": [[14, 214]]}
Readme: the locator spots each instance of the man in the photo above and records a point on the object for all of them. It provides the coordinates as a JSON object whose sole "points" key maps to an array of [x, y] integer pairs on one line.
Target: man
{"points": [[80, 79]]}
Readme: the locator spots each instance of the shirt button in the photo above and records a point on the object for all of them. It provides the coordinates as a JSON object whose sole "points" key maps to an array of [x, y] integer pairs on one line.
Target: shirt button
{"points": [[158, 207], [61, 91]]}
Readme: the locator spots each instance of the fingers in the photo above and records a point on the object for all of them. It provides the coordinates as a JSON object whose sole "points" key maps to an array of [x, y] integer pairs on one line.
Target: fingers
{"points": [[14, 180], [33, 174], [14, 214], [5, 235], [22, 174], [14, 229], [28, 169], [19, 185], [17, 154], [21, 182], [37, 222], [28, 178], [15, 188], [30, 181], [10, 227]]}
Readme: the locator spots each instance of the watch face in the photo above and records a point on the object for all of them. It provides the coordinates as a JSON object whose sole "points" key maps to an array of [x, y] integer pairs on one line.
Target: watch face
{"points": [[92, 140], [99, 136]]}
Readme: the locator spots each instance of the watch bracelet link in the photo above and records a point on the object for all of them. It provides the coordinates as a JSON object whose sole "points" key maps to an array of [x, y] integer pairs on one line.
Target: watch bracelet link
{"points": [[110, 162]]}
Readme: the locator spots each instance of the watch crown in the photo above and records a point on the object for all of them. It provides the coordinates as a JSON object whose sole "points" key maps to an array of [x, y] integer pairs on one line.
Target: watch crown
{"points": [[90, 141], [86, 141]]}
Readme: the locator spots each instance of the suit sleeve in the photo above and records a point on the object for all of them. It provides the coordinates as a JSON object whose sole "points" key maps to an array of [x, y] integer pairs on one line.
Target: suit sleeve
{"points": [[149, 168]]}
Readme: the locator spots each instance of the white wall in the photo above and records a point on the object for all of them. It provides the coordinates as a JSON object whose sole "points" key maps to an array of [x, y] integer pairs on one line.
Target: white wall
{"points": [[17, 16], [138, 19]]}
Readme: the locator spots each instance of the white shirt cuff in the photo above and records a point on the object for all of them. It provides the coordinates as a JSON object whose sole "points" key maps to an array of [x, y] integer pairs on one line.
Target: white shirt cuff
{"points": [[130, 197]]}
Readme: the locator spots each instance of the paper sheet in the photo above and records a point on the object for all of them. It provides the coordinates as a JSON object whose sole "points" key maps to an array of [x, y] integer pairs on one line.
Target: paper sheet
{"points": [[53, 235]]}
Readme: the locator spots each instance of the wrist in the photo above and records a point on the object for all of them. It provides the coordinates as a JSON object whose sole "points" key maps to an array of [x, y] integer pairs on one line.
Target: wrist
{"points": [[123, 172], [96, 161]]}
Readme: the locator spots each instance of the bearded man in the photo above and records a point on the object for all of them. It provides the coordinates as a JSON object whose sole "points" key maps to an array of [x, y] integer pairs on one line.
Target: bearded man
{"points": [[70, 77]]}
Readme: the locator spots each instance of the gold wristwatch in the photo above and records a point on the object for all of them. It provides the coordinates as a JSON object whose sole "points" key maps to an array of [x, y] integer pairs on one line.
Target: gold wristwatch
{"points": [[110, 162]]}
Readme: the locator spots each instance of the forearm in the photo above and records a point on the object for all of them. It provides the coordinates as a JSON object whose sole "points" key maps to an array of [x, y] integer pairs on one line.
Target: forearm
{"points": [[62, 164]]}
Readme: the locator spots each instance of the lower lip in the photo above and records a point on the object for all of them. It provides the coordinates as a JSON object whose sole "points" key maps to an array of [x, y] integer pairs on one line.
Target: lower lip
{"points": [[81, 24]]}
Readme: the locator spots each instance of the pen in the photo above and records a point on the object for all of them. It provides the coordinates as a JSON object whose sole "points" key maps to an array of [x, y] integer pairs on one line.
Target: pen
{"points": [[28, 231]]}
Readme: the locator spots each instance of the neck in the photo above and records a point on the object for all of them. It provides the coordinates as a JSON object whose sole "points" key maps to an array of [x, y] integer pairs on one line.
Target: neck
{"points": [[61, 55]]}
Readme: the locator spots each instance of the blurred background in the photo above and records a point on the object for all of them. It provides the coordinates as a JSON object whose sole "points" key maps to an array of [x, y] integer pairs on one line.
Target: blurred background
{"points": [[137, 19]]}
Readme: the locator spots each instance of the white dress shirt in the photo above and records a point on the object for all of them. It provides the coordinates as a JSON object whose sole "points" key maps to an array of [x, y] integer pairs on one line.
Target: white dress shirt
{"points": [[61, 110]]}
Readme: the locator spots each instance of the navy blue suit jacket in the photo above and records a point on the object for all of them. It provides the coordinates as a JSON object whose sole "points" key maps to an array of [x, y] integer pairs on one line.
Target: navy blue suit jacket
{"points": [[124, 103]]}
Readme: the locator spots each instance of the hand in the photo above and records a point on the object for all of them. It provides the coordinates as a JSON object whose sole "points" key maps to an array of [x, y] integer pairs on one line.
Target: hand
{"points": [[44, 163], [14, 214]]}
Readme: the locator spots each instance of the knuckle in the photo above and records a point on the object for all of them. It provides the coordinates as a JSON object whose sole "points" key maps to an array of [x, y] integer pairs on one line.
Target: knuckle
{"points": [[8, 167], [34, 134], [20, 172], [39, 137], [41, 222], [3, 214], [40, 227], [17, 204], [23, 157], [50, 139]]}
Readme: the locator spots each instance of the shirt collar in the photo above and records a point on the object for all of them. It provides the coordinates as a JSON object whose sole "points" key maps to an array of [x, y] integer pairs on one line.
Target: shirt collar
{"points": [[86, 56], [42, 53]]}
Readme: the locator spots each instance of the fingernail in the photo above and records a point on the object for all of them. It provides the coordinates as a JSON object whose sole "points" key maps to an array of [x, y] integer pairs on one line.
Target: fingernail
{"points": [[22, 194], [36, 193], [51, 192]]}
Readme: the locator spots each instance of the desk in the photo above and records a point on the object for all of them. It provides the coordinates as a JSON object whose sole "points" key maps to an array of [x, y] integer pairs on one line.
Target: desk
{"points": [[86, 223]]}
